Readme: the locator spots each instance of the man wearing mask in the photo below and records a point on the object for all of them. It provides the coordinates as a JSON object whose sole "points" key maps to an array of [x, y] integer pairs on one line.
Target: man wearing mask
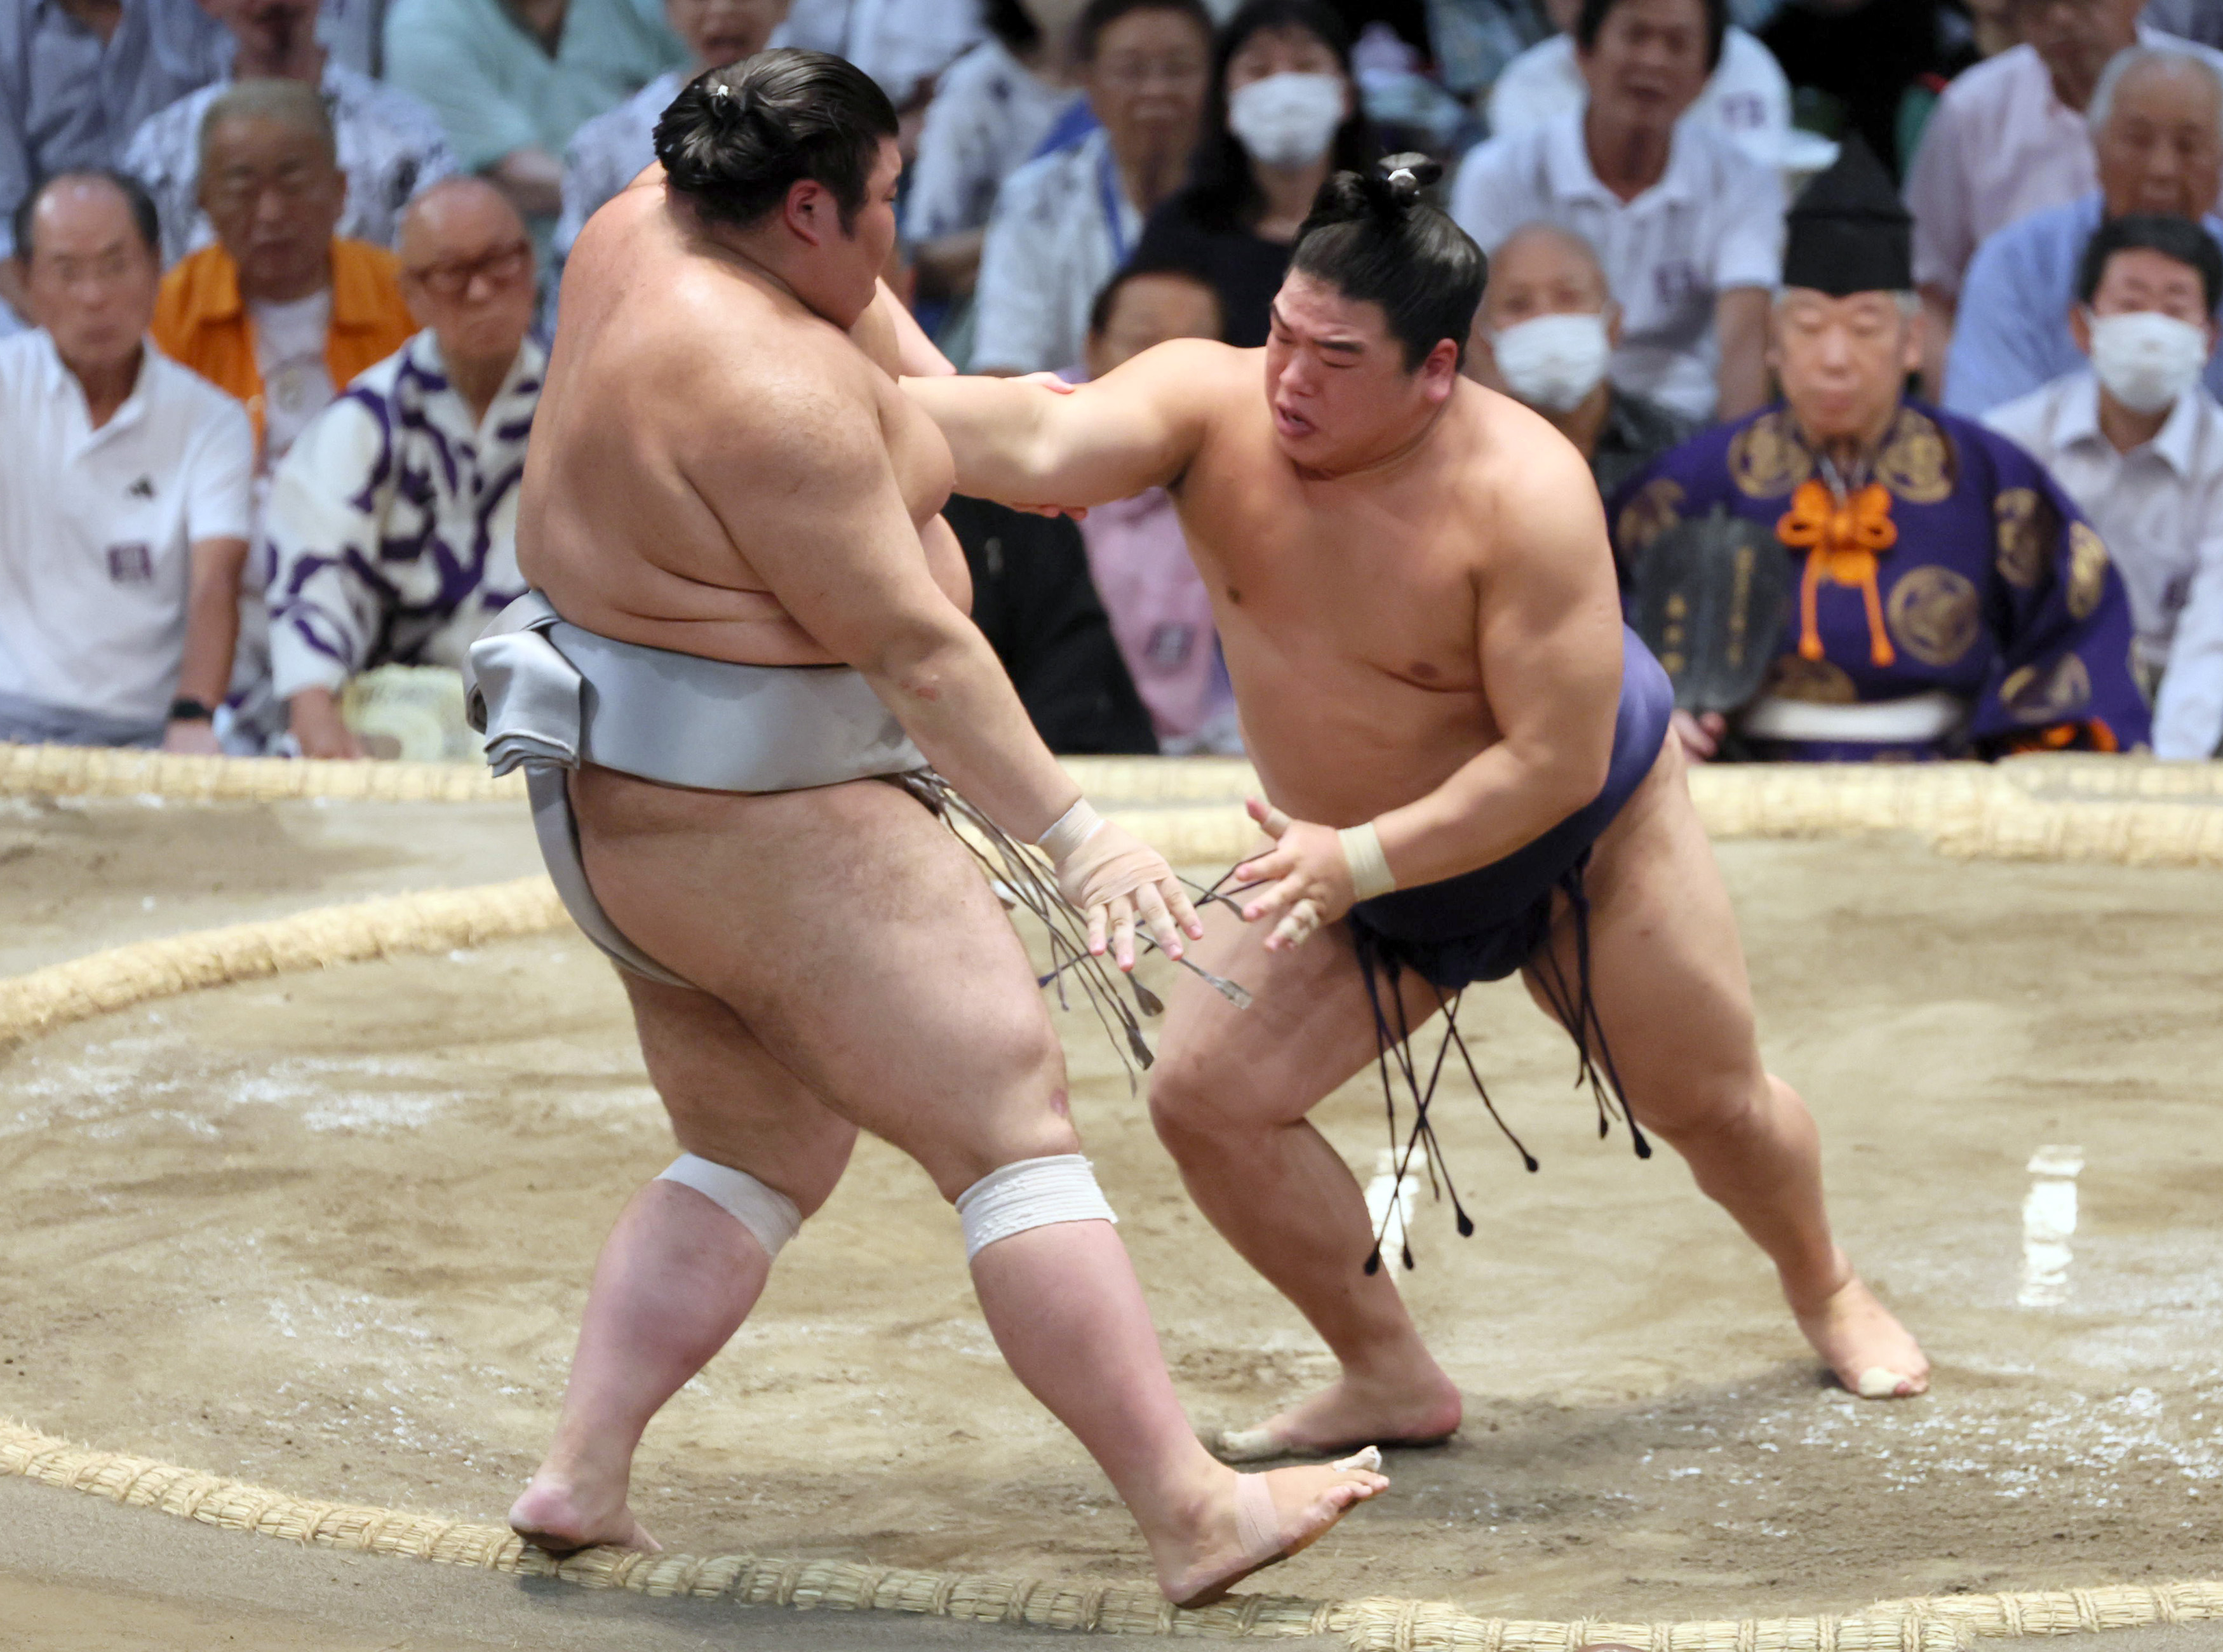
{"points": [[1545, 332], [1690, 227], [1064, 223], [2138, 443], [1947, 598], [2157, 129], [390, 145]]}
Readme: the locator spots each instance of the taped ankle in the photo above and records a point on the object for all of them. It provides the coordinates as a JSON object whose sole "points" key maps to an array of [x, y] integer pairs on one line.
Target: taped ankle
{"points": [[766, 1211], [1030, 1193]]}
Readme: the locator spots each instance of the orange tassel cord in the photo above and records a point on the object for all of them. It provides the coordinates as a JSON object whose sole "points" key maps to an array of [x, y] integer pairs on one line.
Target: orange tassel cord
{"points": [[1842, 543]]}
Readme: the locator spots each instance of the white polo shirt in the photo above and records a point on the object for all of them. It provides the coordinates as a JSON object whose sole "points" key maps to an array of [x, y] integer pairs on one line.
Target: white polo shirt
{"points": [[97, 526], [2159, 507], [1712, 223]]}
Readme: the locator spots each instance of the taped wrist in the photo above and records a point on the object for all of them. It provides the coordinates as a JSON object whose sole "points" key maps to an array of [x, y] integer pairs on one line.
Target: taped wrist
{"points": [[1029, 1193], [1369, 868], [766, 1211], [1069, 831]]}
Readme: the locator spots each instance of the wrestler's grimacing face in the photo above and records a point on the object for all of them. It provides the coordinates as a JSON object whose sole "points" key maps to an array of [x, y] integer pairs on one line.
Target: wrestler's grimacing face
{"points": [[1336, 383]]}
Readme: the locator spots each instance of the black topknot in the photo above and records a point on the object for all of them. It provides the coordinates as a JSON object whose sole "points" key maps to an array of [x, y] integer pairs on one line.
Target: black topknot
{"points": [[1375, 236]]}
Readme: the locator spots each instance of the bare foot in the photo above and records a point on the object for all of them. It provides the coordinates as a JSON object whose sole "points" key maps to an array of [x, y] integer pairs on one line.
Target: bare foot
{"points": [[1347, 1414], [559, 1517], [1258, 1520], [1866, 1348]]}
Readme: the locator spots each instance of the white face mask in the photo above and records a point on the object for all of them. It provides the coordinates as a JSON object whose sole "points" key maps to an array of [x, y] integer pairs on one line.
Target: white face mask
{"points": [[2147, 360], [1287, 120], [1551, 362]]}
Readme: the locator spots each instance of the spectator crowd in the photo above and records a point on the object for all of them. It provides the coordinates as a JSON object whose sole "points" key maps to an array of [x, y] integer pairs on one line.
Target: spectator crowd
{"points": [[1916, 300]]}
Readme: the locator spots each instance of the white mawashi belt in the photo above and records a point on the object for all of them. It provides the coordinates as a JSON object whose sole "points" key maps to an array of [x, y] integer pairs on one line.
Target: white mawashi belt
{"points": [[1877, 723]]}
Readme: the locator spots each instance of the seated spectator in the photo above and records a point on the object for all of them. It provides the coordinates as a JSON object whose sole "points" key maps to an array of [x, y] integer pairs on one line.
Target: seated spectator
{"points": [[512, 80], [389, 144], [1161, 612], [990, 114], [2010, 137], [903, 44], [1065, 222], [608, 152], [1283, 113], [1690, 227], [1871, 67], [1033, 600], [2138, 443], [1547, 329], [1948, 598], [279, 312], [1472, 40], [392, 526], [1746, 95], [123, 492], [80, 77], [2157, 129]]}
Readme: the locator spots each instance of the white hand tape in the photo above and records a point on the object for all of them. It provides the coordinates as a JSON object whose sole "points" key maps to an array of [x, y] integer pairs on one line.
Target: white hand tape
{"points": [[1369, 868]]}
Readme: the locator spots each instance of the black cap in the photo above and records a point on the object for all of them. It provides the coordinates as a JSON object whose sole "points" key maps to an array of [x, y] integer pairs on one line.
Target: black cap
{"points": [[1848, 231]]}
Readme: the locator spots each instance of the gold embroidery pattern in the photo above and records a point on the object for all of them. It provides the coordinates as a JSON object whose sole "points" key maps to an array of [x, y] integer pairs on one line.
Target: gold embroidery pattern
{"points": [[1935, 614], [2088, 570], [1656, 508], [2039, 694], [2027, 524], [1816, 682], [1767, 457], [1917, 461]]}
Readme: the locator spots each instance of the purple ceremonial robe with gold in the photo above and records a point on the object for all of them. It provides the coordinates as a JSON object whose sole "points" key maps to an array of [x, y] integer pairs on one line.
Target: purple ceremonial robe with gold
{"points": [[1954, 566]]}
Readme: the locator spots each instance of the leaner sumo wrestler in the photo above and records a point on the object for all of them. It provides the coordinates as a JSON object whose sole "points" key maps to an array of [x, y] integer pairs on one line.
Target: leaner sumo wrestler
{"points": [[747, 615], [1466, 771]]}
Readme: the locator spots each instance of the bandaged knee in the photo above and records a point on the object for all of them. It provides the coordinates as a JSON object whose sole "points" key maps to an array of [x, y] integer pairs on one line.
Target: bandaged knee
{"points": [[766, 1211], [1031, 1193]]}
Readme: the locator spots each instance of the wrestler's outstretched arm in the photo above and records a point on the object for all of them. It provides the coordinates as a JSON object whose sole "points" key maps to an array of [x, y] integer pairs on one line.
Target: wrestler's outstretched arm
{"points": [[836, 546], [1137, 427], [1549, 642]]}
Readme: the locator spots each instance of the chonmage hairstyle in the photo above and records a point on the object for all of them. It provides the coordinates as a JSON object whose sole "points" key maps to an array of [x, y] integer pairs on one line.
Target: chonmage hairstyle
{"points": [[1591, 18], [1372, 237], [736, 140], [2178, 238]]}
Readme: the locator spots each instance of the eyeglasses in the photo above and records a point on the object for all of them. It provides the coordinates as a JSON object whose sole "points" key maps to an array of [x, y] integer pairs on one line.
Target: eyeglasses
{"points": [[452, 279], [1132, 72]]}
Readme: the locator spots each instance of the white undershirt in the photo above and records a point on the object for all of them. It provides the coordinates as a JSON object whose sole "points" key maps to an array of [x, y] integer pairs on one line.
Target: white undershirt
{"points": [[289, 348]]}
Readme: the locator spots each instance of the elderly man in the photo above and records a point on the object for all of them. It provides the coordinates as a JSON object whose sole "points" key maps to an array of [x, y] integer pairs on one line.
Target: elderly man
{"points": [[2138, 443], [608, 152], [2009, 137], [1064, 223], [391, 530], [512, 80], [123, 492], [1690, 227], [1948, 598], [389, 144], [80, 76], [281, 311], [2157, 129], [1547, 328]]}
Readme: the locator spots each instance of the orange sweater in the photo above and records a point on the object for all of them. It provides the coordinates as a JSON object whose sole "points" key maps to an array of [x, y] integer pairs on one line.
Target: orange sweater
{"points": [[201, 321]]}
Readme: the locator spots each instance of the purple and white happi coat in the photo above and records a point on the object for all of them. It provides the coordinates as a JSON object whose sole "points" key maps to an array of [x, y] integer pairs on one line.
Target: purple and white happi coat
{"points": [[390, 537]]}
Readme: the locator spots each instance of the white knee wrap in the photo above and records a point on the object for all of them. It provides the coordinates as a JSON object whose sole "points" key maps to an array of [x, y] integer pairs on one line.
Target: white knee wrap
{"points": [[766, 1211], [1031, 1193]]}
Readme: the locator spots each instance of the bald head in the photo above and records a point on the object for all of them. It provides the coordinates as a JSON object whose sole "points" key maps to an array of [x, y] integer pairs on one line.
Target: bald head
{"points": [[2158, 133], [467, 271], [1543, 269], [455, 216]]}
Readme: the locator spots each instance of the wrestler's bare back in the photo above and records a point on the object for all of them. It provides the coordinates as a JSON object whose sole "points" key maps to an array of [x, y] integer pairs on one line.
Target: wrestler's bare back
{"points": [[1348, 607], [635, 516]]}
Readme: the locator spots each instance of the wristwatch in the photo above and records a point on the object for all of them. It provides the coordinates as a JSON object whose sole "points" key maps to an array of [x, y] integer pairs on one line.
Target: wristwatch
{"points": [[186, 709]]}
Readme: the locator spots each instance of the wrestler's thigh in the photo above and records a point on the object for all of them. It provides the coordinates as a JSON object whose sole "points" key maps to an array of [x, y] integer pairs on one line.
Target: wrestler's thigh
{"points": [[730, 1100], [858, 943], [1309, 1026], [1666, 965]]}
